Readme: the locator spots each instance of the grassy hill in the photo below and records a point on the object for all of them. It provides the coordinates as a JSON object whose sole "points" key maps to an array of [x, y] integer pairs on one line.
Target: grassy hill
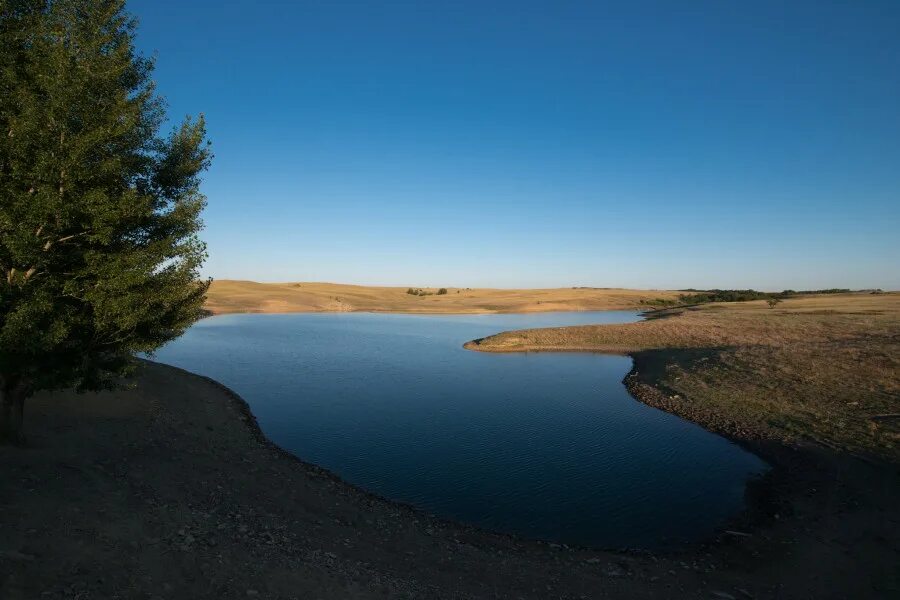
{"points": [[229, 296]]}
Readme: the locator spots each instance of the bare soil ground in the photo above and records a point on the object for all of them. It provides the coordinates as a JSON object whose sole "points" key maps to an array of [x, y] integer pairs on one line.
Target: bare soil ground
{"points": [[169, 490], [227, 296]]}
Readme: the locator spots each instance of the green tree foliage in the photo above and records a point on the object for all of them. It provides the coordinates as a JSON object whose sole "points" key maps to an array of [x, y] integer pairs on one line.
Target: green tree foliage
{"points": [[99, 214], [704, 296], [828, 291]]}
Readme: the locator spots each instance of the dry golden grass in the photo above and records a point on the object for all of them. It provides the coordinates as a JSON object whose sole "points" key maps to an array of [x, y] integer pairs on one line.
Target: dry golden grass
{"points": [[818, 367], [227, 296]]}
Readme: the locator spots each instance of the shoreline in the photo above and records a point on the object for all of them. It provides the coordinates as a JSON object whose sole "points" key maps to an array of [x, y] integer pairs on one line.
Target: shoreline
{"points": [[679, 550], [764, 494], [800, 466], [220, 510], [428, 313], [767, 492]]}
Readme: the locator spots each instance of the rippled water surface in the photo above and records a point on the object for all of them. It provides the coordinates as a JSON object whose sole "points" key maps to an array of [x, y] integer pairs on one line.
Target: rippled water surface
{"points": [[546, 445]]}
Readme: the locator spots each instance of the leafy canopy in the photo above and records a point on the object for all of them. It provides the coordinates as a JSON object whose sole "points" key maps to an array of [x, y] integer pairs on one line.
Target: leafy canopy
{"points": [[99, 214]]}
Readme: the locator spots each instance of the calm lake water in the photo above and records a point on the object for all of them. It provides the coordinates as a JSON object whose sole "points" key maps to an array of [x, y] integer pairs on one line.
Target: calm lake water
{"points": [[548, 446]]}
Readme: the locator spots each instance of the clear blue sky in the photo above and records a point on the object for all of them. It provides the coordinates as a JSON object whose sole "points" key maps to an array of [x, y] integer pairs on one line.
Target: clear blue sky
{"points": [[558, 143]]}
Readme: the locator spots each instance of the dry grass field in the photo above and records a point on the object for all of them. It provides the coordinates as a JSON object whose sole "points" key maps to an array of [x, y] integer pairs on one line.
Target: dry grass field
{"points": [[227, 296], [824, 367]]}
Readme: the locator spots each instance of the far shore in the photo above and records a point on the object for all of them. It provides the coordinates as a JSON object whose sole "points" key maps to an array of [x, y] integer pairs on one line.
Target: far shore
{"points": [[228, 296]]}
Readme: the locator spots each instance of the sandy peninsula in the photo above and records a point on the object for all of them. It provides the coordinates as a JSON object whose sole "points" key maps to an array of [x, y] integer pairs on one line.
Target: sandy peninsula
{"points": [[824, 368]]}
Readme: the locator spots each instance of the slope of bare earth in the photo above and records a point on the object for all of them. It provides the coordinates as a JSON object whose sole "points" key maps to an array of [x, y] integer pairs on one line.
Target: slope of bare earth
{"points": [[825, 368], [227, 296], [169, 490]]}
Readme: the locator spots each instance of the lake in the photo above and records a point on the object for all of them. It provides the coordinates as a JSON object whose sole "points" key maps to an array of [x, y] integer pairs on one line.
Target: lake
{"points": [[544, 445]]}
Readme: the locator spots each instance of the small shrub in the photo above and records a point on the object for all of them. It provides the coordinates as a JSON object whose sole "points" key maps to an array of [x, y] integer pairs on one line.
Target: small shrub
{"points": [[772, 302], [442, 291]]}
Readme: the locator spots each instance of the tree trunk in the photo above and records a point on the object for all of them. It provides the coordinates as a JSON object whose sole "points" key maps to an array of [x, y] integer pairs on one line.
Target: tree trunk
{"points": [[12, 411]]}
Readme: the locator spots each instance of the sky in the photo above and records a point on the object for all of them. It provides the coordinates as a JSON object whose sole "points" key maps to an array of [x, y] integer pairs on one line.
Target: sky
{"points": [[646, 144]]}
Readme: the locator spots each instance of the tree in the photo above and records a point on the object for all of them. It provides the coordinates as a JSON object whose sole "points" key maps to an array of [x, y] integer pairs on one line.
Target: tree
{"points": [[772, 302], [99, 214]]}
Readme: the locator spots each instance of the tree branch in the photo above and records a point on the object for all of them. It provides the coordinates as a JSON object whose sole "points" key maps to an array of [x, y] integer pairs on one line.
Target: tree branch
{"points": [[50, 243]]}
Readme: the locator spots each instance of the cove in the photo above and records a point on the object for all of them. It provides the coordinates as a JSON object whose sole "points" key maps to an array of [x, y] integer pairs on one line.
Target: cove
{"points": [[543, 445]]}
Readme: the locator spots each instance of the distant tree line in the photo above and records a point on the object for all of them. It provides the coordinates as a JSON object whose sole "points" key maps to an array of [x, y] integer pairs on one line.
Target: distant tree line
{"points": [[828, 291], [706, 296], [703, 297], [789, 293]]}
